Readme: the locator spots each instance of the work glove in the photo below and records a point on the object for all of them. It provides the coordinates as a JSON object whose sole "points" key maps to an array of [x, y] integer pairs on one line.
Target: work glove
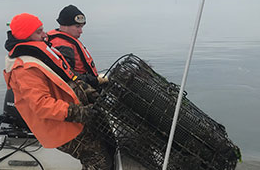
{"points": [[89, 91], [92, 94], [102, 79], [79, 89], [81, 114], [89, 79], [85, 93]]}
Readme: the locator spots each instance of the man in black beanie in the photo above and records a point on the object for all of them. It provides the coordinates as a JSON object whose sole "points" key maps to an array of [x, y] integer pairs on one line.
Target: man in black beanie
{"points": [[65, 39], [71, 15]]}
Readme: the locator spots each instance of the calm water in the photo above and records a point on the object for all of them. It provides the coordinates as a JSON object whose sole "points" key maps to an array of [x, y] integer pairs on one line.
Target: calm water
{"points": [[224, 75]]}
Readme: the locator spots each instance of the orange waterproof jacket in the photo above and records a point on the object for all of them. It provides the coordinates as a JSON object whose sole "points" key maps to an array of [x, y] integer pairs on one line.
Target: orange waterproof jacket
{"points": [[42, 98], [83, 60]]}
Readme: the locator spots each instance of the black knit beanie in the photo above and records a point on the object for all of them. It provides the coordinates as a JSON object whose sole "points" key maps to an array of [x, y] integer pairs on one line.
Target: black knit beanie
{"points": [[71, 15]]}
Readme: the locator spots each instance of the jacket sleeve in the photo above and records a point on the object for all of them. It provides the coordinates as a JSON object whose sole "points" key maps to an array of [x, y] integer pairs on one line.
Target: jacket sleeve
{"points": [[68, 54], [35, 90], [66, 49]]}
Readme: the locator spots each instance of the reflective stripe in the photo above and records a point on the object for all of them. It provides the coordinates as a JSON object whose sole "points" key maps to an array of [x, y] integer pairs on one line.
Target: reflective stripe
{"points": [[50, 56], [50, 50]]}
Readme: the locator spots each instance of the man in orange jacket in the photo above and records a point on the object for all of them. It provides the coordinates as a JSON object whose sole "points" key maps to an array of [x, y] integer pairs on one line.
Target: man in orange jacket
{"points": [[65, 39], [49, 97]]}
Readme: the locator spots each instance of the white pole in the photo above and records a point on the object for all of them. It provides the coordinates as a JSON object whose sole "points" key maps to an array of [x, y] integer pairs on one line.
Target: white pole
{"points": [[184, 78], [119, 161]]}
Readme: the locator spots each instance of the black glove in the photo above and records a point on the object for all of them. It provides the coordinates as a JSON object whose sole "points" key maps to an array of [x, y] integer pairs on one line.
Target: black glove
{"points": [[81, 114], [89, 79]]}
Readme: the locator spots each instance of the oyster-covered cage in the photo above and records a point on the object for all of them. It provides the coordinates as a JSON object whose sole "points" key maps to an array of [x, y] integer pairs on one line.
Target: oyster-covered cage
{"points": [[139, 105]]}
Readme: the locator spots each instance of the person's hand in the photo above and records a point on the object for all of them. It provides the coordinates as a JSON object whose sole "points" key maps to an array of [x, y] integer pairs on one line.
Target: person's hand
{"points": [[81, 114], [92, 93], [89, 79], [102, 79]]}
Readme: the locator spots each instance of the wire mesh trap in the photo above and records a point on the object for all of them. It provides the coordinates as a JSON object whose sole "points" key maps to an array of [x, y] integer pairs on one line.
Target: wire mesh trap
{"points": [[138, 106]]}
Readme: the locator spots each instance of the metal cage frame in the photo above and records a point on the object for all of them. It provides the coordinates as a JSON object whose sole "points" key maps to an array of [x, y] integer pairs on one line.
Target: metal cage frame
{"points": [[138, 105]]}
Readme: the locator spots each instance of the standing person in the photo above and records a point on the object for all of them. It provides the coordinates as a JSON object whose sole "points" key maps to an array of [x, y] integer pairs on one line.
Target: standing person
{"points": [[49, 97], [65, 39]]}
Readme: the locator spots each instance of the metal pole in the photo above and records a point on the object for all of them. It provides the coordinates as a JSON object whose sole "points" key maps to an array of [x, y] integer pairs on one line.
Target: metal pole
{"points": [[119, 161], [184, 78]]}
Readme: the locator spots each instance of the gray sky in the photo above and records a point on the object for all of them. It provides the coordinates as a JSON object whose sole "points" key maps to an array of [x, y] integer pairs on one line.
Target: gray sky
{"points": [[240, 17]]}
